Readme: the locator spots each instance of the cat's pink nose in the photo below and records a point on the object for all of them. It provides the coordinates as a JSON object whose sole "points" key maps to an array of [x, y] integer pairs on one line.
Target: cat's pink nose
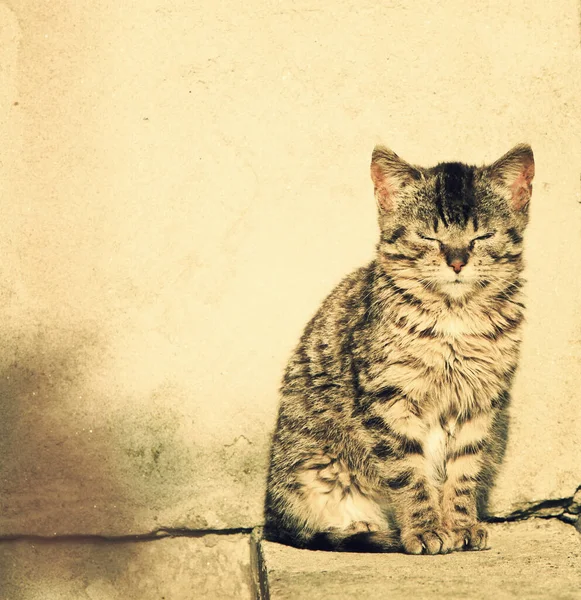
{"points": [[457, 265]]}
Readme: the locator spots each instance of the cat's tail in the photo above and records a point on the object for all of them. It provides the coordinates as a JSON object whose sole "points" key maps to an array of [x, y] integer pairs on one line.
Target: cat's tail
{"points": [[339, 541]]}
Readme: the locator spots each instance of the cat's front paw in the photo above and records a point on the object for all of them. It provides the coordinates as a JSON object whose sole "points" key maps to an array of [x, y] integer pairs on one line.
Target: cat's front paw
{"points": [[474, 537], [429, 541]]}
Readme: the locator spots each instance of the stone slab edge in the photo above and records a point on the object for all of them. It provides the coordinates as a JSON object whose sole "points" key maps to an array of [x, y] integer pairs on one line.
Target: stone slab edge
{"points": [[258, 566]]}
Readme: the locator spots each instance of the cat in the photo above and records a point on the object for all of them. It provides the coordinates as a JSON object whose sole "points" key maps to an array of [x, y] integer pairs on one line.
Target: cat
{"points": [[392, 418]]}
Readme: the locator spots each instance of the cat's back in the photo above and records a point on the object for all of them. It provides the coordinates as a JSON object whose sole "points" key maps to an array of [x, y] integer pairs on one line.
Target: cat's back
{"points": [[321, 357]]}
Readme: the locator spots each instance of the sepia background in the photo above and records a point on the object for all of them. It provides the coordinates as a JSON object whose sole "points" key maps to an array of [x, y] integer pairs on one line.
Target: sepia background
{"points": [[181, 185]]}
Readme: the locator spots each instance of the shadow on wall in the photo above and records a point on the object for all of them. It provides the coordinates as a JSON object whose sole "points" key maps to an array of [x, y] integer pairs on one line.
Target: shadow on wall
{"points": [[78, 459], [501, 426], [57, 468]]}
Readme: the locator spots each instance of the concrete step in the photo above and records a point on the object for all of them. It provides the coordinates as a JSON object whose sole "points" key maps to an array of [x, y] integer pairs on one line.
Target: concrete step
{"points": [[209, 567], [534, 559]]}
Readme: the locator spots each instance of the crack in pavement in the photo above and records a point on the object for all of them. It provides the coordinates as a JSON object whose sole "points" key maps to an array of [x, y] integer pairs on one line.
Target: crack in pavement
{"points": [[157, 534], [567, 510]]}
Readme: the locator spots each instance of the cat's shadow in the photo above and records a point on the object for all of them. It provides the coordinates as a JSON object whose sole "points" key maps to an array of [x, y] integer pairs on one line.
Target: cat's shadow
{"points": [[501, 427]]}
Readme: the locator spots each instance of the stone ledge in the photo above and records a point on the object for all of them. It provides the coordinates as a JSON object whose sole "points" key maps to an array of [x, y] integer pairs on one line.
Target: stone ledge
{"points": [[528, 559], [212, 567]]}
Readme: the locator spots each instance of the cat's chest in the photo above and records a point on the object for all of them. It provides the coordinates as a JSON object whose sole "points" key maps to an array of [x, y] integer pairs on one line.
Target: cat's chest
{"points": [[453, 358], [450, 362]]}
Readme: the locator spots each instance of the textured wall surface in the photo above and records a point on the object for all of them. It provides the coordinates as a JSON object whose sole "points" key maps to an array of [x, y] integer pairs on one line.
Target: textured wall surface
{"points": [[181, 185]]}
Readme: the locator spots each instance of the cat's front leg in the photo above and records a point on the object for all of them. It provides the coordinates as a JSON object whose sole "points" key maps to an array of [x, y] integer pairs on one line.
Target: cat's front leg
{"points": [[466, 459], [412, 498], [422, 530]]}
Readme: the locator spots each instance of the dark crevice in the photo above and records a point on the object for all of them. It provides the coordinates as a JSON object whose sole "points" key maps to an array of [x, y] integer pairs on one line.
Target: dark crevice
{"points": [[258, 566], [564, 509], [567, 510], [161, 533]]}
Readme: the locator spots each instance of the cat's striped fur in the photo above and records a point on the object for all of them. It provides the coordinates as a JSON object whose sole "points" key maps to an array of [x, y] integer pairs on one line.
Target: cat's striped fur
{"points": [[392, 417]]}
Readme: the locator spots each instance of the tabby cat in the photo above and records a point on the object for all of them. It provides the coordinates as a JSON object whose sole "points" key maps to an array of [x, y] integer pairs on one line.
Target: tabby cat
{"points": [[391, 422]]}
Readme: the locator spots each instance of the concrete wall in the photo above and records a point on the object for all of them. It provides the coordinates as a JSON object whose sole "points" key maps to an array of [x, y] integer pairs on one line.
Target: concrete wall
{"points": [[182, 183]]}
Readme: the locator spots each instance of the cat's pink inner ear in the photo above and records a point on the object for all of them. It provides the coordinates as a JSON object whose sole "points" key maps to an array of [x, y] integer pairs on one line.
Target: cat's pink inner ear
{"points": [[384, 191], [522, 186], [513, 173]]}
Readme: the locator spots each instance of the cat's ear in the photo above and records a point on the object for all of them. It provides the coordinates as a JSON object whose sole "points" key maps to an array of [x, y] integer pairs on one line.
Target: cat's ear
{"points": [[390, 174], [514, 173]]}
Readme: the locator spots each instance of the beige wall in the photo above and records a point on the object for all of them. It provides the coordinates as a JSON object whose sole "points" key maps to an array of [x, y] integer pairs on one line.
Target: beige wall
{"points": [[182, 183]]}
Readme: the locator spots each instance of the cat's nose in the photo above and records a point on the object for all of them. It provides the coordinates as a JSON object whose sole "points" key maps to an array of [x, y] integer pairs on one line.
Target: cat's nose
{"points": [[457, 265], [456, 257]]}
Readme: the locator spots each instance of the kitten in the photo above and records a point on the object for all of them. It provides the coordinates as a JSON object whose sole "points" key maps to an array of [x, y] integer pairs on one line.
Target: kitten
{"points": [[390, 424]]}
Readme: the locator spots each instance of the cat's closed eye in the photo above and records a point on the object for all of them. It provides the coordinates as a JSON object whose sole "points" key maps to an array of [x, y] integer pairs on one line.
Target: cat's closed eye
{"points": [[428, 238], [485, 236], [471, 244]]}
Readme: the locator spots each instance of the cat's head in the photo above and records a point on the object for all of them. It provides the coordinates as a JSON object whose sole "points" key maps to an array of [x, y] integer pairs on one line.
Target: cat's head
{"points": [[452, 230]]}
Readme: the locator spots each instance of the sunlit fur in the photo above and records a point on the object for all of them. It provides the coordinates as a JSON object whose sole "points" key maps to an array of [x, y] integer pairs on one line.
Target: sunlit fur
{"points": [[392, 418], [487, 230]]}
